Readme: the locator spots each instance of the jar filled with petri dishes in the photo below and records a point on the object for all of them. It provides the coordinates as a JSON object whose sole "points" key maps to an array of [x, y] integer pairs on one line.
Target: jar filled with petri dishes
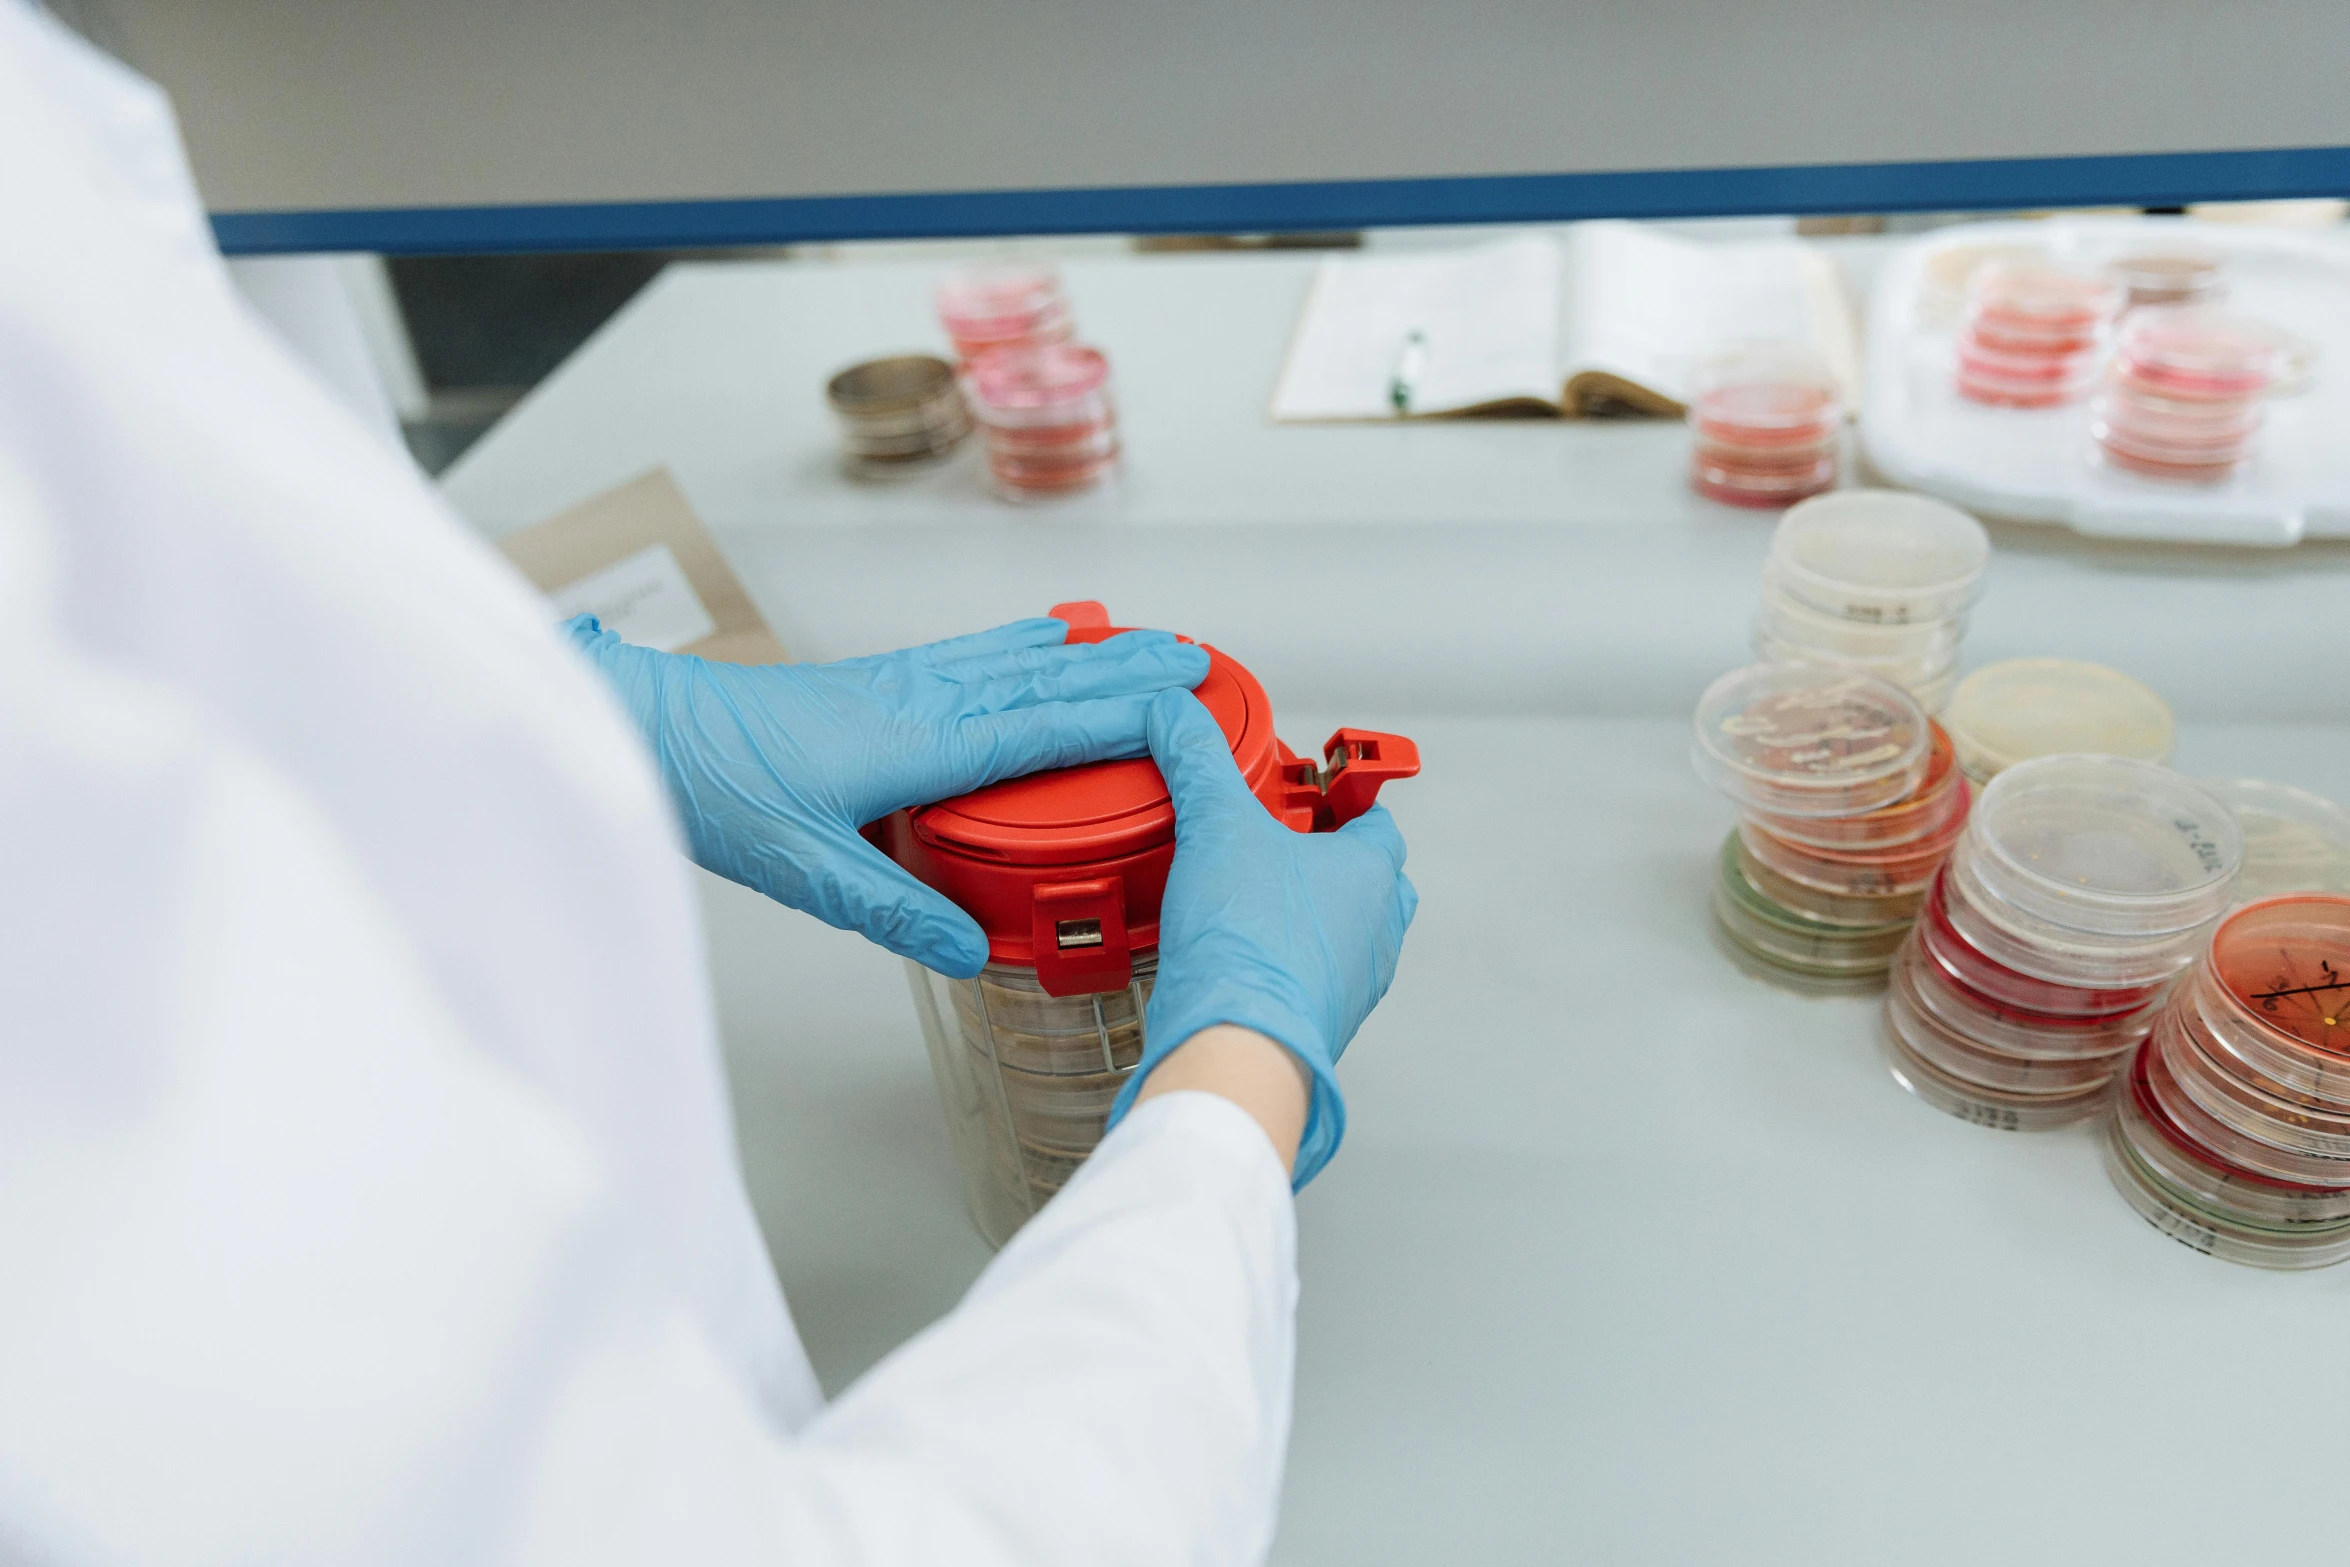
{"points": [[2081, 887], [2184, 399], [2021, 708], [1875, 579], [2033, 333], [1063, 871], [1766, 425], [1848, 798], [2231, 1133], [1046, 418]]}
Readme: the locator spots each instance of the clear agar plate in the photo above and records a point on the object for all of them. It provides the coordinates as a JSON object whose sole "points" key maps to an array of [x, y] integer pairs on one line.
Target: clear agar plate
{"points": [[2010, 712], [2105, 845], [1879, 557], [2016, 1031], [1936, 808], [1969, 1060], [2028, 944], [2294, 841], [1809, 740], [2003, 1112], [2200, 1228]]}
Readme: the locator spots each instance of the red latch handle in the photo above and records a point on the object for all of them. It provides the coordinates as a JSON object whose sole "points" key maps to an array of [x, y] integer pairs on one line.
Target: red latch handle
{"points": [[1082, 615], [1355, 763], [1079, 934]]}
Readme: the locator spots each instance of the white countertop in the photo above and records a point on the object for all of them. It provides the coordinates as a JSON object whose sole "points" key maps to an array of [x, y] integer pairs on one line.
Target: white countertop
{"points": [[1630, 1257]]}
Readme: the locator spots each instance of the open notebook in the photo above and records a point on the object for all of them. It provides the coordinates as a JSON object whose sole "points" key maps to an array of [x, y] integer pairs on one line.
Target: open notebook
{"points": [[1606, 318]]}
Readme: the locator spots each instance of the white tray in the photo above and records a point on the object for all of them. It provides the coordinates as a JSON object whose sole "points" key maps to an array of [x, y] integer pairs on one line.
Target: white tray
{"points": [[2034, 465]]}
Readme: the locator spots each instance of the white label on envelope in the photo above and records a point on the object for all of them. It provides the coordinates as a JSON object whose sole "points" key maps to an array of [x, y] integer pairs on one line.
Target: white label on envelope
{"points": [[645, 598]]}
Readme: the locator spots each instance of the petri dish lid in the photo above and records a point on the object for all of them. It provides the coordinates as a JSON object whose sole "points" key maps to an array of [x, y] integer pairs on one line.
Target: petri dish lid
{"points": [[2105, 844], [1766, 394], [2010, 712], [2294, 841], [1027, 378], [998, 298], [1802, 739], [2042, 294], [1879, 556]]}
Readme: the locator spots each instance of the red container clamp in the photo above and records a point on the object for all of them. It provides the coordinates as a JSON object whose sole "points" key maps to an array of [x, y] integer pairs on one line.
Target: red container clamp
{"points": [[1064, 870]]}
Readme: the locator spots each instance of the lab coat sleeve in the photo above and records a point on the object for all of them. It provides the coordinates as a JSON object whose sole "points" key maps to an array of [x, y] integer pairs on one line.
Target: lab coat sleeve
{"points": [[1115, 1388]]}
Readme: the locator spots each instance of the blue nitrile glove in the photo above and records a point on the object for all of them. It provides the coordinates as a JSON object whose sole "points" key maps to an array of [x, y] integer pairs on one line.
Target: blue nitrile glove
{"points": [[1292, 934], [774, 767]]}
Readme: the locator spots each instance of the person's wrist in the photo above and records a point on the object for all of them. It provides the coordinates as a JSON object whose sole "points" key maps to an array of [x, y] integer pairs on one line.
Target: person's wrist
{"points": [[1251, 1070]]}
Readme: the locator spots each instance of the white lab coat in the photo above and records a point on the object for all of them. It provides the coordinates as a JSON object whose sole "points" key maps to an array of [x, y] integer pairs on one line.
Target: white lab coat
{"points": [[367, 1186]]}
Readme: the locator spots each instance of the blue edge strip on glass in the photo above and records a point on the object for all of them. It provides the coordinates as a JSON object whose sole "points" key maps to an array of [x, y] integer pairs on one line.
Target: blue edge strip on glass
{"points": [[2136, 179]]}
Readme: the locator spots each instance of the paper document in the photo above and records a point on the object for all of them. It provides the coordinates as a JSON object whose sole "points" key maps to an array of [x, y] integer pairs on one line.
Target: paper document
{"points": [[1608, 317]]}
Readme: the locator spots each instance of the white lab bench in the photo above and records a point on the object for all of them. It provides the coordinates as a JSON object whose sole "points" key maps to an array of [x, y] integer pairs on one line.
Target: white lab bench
{"points": [[1630, 1257]]}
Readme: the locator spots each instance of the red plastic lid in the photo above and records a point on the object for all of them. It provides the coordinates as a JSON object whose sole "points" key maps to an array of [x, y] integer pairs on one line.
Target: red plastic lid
{"points": [[1105, 809]]}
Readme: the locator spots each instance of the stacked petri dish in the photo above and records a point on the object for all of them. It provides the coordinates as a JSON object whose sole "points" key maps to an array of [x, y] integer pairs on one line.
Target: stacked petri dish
{"points": [[1046, 418], [2183, 399], [2294, 841], [1875, 579], [2032, 334], [1848, 797], [2176, 273], [2232, 1131], [2080, 888], [897, 414], [1003, 304], [2021, 708], [1766, 424]]}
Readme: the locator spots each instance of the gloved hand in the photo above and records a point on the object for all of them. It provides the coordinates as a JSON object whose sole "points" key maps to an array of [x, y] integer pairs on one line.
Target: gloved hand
{"points": [[1292, 934], [774, 767]]}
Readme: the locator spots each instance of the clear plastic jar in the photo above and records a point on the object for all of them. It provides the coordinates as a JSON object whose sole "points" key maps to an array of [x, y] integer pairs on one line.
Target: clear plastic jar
{"points": [[1027, 1079]]}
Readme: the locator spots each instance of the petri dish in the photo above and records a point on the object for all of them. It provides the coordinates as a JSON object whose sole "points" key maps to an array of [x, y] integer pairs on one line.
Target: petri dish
{"points": [[1878, 557], [2280, 975], [2205, 1077], [2294, 841], [2105, 845], [2203, 1227], [2199, 354], [2039, 303], [991, 304], [2015, 1031], [2171, 274], [2219, 1138], [1969, 1060], [2195, 1172], [1788, 619], [1805, 739], [1880, 874], [1980, 972], [1906, 671], [1937, 807], [1784, 939], [2028, 944], [1998, 1110], [1861, 911], [2013, 711]]}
